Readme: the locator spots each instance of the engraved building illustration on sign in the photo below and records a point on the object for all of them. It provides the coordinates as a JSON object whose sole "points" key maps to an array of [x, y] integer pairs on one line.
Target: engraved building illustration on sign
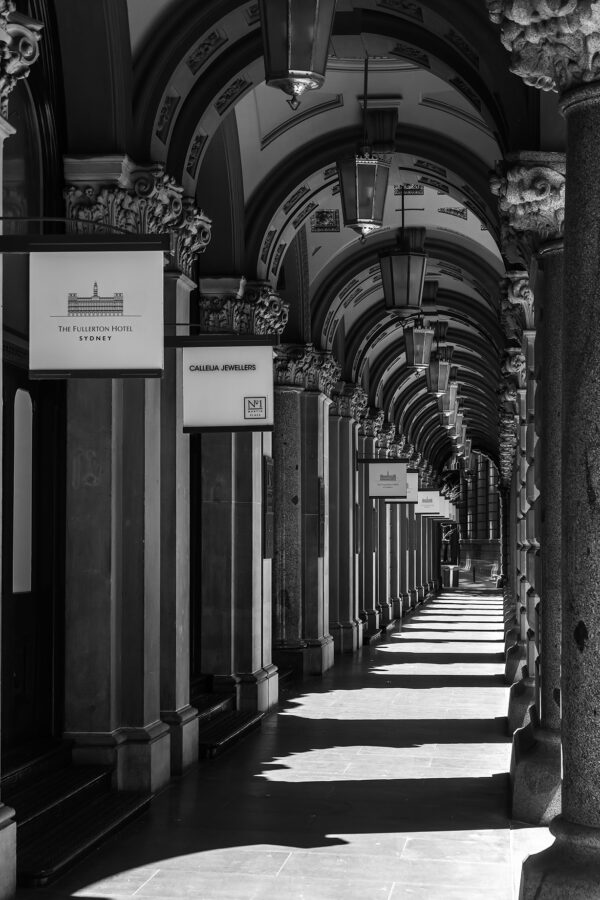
{"points": [[387, 477], [95, 305]]}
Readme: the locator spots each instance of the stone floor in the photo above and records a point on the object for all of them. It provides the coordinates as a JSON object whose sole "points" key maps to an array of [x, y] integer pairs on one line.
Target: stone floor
{"points": [[385, 779]]}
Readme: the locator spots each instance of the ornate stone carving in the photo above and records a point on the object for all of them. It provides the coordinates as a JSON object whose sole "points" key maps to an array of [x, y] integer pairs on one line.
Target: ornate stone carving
{"points": [[519, 294], [553, 44], [257, 309], [147, 201], [302, 365], [514, 367], [19, 49], [531, 194], [372, 422], [511, 320], [508, 433], [349, 401], [386, 435]]}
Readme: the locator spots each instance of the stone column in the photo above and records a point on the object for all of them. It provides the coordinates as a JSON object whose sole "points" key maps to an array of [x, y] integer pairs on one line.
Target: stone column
{"points": [[19, 38], [384, 601], [349, 402], [554, 47], [536, 766], [403, 568], [236, 640], [305, 379], [394, 537], [175, 540], [113, 605], [370, 428]]}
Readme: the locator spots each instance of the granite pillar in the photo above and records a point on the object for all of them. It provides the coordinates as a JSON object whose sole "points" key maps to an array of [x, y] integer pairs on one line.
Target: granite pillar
{"points": [[175, 542], [305, 378], [394, 538], [368, 600], [112, 694]]}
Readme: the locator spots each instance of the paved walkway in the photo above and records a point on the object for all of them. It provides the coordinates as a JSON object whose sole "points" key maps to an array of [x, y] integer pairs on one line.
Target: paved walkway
{"points": [[384, 780]]}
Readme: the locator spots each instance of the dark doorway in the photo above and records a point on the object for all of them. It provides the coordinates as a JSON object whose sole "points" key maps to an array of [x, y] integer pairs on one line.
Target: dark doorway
{"points": [[33, 559]]}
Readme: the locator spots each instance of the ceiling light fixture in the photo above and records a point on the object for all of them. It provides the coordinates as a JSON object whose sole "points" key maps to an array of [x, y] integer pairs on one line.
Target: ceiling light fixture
{"points": [[296, 36]]}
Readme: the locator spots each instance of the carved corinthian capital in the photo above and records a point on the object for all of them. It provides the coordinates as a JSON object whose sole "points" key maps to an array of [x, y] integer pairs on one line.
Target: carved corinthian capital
{"points": [[19, 48], [302, 365], [349, 401], [531, 194], [514, 366], [145, 201], [386, 435], [254, 309], [372, 422], [553, 44]]}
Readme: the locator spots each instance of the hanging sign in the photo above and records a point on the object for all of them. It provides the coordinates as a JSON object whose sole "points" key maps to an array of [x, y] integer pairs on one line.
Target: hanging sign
{"points": [[387, 479], [228, 388], [96, 313], [412, 489], [428, 503]]}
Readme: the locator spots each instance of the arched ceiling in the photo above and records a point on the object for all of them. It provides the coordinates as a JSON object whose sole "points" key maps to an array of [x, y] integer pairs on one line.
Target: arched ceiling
{"points": [[201, 105]]}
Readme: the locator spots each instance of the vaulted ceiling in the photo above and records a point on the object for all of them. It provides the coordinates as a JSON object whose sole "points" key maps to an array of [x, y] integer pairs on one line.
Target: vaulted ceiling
{"points": [[267, 177]]}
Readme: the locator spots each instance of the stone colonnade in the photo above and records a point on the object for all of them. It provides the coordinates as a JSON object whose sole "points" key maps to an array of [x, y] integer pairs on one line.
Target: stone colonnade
{"points": [[553, 48]]}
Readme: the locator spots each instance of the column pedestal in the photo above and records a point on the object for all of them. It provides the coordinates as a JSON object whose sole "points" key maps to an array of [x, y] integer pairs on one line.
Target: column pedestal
{"points": [[8, 852]]}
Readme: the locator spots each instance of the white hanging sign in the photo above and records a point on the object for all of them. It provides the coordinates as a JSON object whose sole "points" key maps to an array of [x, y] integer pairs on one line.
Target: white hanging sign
{"points": [[228, 388], [387, 479], [412, 489], [96, 313], [428, 503]]}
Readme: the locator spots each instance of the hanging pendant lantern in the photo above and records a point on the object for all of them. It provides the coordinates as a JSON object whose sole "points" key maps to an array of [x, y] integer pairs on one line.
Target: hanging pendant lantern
{"points": [[448, 399], [403, 268], [296, 36], [438, 372], [418, 339], [363, 186], [363, 182]]}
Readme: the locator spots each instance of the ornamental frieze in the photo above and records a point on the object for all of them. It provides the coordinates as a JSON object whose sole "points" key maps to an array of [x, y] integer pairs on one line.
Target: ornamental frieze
{"points": [[372, 422], [553, 45], [531, 193], [508, 434], [514, 367], [349, 401], [20, 37], [145, 201], [256, 310], [302, 365]]}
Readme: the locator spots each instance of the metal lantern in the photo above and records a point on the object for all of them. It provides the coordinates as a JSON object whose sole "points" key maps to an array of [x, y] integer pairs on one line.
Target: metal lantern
{"points": [[363, 186], [418, 339], [296, 37], [438, 372], [403, 271], [448, 399]]}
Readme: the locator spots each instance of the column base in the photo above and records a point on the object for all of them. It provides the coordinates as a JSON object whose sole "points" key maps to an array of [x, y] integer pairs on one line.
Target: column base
{"points": [[535, 774], [516, 659], [371, 617], [405, 601], [521, 697], [414, 597], [8, 853], [140, 757], [258, 691], [312, 658], [421, 591], [385, 614], [396, 607], [183, 725], [346, 636], [568, 870], [144, 759]]}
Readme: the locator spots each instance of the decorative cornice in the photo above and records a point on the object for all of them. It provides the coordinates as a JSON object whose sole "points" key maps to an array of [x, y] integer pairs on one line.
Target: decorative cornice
{"points": [[19, 49], [349, 401], [372, 422], [302, 365], [257, 309], [553, 45], [146, 201], [531, 194]]}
